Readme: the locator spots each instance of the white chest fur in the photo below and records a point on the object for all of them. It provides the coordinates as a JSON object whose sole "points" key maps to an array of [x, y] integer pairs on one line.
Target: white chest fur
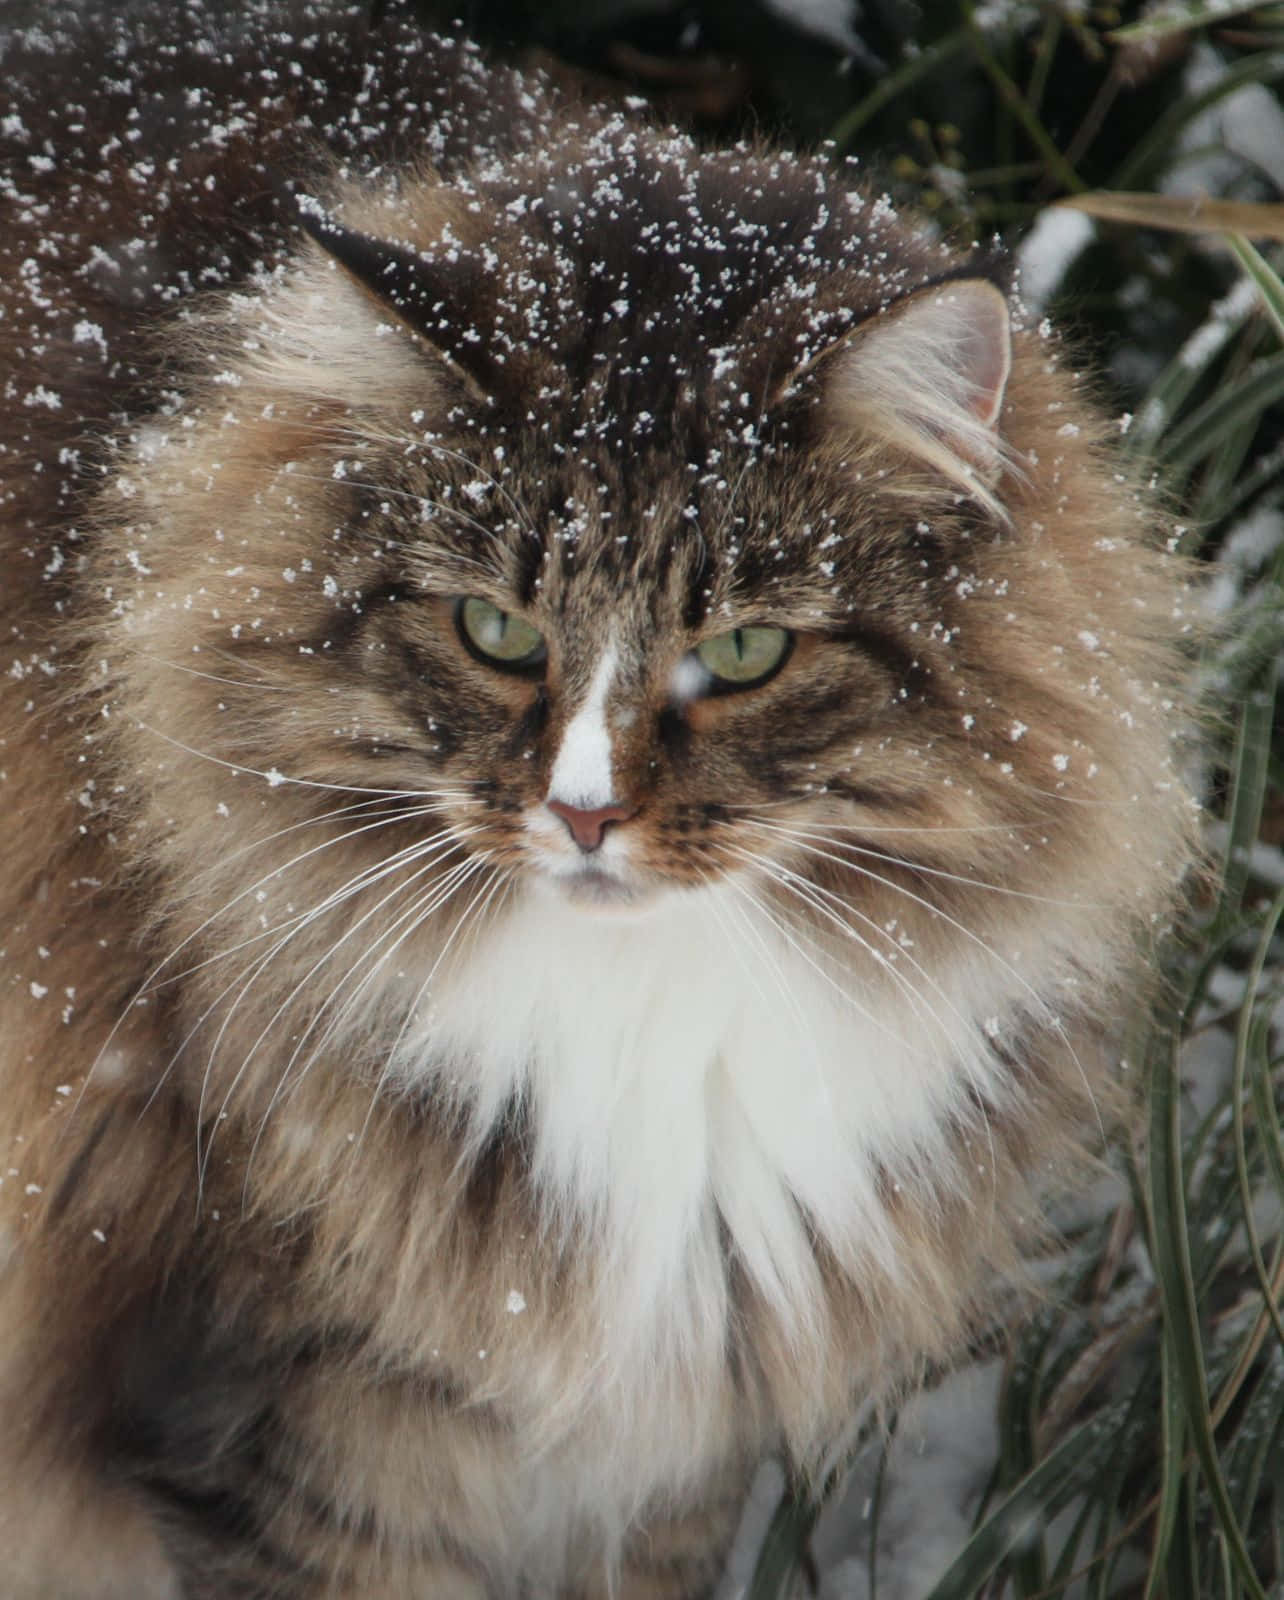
{"points": [[696, 1061]]}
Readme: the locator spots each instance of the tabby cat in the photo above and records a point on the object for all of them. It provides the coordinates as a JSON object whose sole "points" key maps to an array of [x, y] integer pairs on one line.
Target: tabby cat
{"points": [[586, 763]]}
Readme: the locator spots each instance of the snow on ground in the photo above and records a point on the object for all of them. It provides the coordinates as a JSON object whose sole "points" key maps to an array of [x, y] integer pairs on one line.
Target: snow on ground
{"points": [[831, 20], [1048, 251], [940, 1461]]}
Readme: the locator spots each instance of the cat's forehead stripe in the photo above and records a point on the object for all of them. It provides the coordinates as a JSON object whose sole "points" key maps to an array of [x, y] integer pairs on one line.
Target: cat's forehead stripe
{"points": [[582, 771]]}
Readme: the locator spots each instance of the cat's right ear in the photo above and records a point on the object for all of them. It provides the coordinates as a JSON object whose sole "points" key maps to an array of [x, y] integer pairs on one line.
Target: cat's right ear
{"points": [[426, 291], [928, 376]]}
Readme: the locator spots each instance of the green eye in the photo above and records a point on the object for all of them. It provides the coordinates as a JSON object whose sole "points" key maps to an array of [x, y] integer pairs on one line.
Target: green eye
{"points": [[499, 638], [745, 656]]}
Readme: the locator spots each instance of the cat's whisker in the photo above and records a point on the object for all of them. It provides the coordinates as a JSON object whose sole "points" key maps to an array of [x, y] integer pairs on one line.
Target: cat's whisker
{"points": [[425, 852], [445, 508], [791, 937], [751, 453], [752, 932], [214, 677], [803, 834], [824, 902], [245, 980], [386, 864], [1039, 1005], [796, 886], [729, 508], [503, 880], [425, 905], [500, 881], [916, 998], [927, 905], [434, 800], [795, 800], [523, 516], [447, 945], [257, 971], [272, 777], [364, 439], [153, 982]]}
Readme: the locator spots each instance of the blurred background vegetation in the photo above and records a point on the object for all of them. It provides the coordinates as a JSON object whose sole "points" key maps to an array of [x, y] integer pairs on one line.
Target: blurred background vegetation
{"points": [[1135, 1441]]}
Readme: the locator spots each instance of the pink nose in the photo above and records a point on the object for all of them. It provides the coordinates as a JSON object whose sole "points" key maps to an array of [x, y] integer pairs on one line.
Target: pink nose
{"points": [[587, 827]]}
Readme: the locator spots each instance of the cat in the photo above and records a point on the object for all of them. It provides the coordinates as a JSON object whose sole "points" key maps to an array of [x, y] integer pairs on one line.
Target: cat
{"points": [[588, 766]]}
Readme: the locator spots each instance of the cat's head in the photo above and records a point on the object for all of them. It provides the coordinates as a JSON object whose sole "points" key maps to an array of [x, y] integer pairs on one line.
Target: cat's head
{"points": [[633, 518]]}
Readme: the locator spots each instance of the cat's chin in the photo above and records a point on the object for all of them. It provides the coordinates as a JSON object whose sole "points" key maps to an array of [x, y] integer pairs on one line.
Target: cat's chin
{"points": [[592, 889]]}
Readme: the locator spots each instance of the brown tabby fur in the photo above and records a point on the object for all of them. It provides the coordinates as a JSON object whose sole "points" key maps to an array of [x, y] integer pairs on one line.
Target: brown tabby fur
{"points": [[256, 1334]]}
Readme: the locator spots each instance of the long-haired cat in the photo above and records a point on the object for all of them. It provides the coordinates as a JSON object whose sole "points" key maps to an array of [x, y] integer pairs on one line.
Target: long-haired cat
{"points": [[585, 757]]}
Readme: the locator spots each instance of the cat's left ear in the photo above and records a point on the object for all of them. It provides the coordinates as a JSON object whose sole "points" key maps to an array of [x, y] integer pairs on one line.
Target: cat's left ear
{"points": [[928, 376], [429, 295]]}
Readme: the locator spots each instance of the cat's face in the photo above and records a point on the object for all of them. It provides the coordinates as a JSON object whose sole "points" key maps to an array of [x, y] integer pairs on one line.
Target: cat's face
{"points": [[637, 587], [616, 691], [630, 524]]}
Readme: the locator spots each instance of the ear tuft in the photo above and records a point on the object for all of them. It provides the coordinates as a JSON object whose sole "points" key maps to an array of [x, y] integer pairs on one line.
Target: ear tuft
{"points": [[929, 376]]}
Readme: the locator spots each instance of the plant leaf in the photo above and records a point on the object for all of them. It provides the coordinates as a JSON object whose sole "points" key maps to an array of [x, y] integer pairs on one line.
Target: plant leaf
{"points": [[1183, 213], [1180, 19], [1264, 276]]}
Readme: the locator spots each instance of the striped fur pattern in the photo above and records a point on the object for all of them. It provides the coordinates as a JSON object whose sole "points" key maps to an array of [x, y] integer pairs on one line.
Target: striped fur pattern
{"points": [[460, 1110]]}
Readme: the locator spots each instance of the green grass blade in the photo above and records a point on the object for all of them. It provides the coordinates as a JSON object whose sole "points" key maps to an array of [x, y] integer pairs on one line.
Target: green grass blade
{"points": [[1015, 102], [780, 1557], [876, 1507], [1018, 1419], [1168, 20], [1173, 1272], [1251, 1039], [1205, 428], [1266, 472], [1267, 280], [1256, 1440], [1179, 379], [1250, 766], [1277, 1508], [1026, 1509], [1223, 470], [1171, 1477], [1269, 1132]]}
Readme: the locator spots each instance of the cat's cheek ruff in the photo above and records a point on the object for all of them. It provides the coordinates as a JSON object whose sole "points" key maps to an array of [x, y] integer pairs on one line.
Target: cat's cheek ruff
{"points": [[692, 1071]]}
